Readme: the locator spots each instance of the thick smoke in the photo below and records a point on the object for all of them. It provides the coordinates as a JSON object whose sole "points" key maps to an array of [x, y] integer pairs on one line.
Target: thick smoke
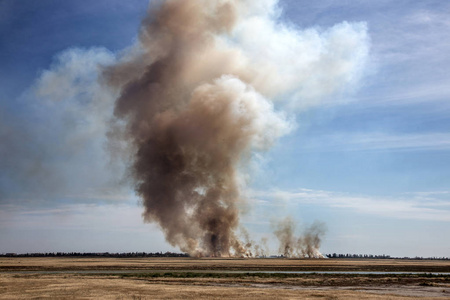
{"points": [[194, 105], [305, 245]]}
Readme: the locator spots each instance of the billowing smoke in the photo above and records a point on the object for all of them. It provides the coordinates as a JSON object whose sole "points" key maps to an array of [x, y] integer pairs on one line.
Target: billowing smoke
{"points": [[195, 103], [305, 245]]}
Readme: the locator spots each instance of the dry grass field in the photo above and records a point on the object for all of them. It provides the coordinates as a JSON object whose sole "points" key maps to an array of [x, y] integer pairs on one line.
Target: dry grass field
{"points": [[183, 263], [187, 278]]}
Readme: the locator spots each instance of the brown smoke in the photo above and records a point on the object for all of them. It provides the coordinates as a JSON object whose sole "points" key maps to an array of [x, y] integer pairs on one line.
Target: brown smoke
{"points": [[193, 105], [306, 245], [190, 125]]}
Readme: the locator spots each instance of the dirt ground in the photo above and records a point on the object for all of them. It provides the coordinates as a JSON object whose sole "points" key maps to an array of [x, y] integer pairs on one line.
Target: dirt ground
{"points": [[185, 278]]}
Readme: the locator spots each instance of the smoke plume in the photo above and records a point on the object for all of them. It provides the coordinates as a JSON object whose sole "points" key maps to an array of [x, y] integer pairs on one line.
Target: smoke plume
{"points": [[195, 102], [53, 141], [305, 245]]}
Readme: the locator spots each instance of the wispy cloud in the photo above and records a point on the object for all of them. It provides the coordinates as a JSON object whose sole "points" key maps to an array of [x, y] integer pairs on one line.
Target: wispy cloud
{"points": [[429, 17], [412, 206], [119, 217], [378, 142], [427, 93]]}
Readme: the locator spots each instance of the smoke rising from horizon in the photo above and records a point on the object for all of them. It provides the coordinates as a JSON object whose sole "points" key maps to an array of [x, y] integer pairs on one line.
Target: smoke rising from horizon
{"points": [[208, 85], [305, 245]]}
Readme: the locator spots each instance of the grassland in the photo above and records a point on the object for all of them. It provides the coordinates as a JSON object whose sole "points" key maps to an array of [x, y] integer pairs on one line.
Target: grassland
{"points": [[187, 278]]}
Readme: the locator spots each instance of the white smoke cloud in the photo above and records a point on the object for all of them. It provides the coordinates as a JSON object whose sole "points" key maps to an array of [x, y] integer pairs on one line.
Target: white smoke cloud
{"points": [[266, 125], [301, 66]]}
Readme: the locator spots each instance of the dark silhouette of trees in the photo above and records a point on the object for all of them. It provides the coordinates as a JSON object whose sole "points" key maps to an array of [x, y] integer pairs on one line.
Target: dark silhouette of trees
{"points": [[383, 256], [96, 254]]}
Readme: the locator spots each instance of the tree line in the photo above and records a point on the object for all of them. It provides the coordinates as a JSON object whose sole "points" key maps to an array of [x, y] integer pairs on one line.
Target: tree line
{"points": [[174, 254], [96, 254], [382, 256]]}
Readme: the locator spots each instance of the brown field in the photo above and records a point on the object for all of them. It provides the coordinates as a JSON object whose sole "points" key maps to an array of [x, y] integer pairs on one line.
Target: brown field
{"points": [[207, 278]]}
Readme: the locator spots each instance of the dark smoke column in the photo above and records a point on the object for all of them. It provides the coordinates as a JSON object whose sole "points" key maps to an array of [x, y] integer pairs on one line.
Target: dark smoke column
{"points": [[190, 120]]}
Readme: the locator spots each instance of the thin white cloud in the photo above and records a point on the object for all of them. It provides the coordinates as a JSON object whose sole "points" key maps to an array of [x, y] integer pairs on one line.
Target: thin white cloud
{"points": [[78, 228], [429, 93], [121, 217], [429, 17], [414, 34], [379, 142], [412, 207], [106, 197]]}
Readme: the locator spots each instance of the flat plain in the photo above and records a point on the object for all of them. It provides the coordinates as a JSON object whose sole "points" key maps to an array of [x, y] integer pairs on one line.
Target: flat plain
{"points": [[220, 278]]}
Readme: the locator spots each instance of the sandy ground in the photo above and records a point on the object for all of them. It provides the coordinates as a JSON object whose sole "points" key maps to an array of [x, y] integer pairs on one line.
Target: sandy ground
{"points": [[25, 278]]}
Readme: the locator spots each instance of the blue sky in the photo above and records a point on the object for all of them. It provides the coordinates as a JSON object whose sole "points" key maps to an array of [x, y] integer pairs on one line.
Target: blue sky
{"points": [[374, 166]]}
